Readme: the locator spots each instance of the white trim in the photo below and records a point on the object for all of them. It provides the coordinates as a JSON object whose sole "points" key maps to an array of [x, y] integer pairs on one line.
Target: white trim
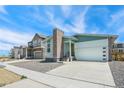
{"points": [[69, 41], [37, 51]]}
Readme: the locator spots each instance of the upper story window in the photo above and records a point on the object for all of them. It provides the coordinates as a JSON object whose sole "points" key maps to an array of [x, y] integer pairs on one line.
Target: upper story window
{"points": [[35, 43], [39, 42], [30, 44]]}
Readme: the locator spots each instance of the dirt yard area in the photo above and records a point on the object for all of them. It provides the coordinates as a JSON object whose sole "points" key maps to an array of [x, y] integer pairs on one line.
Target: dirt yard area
{"points": [[7, 77], [2, 59]]}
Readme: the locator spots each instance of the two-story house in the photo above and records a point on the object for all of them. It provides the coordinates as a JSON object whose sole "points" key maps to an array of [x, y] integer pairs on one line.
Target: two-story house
{"points": [[35, 47]]}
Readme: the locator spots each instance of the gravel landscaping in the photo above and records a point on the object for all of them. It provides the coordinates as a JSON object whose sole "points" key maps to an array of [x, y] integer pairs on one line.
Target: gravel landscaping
{"points": [[38, 66], [117, 69]]}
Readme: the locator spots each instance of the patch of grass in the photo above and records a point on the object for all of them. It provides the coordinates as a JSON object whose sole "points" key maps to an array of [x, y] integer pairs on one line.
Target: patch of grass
{"points": [[2, 84], [23, 77]]}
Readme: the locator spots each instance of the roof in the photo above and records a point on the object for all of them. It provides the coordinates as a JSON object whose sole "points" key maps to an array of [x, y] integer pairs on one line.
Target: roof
{"points": [[70, 38], [48, 38], [64, 37], [119, 43], [42, 36], [114, 37], [97, 35]]}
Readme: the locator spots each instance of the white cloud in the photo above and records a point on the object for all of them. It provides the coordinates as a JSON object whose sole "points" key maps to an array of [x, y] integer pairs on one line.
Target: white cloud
{"points": [[115, 17], [5, 46], [117, 21], [120, 30], [55, 22], [95, 30], [78, 22], [66, 9], [13, 37], [2, 9]]}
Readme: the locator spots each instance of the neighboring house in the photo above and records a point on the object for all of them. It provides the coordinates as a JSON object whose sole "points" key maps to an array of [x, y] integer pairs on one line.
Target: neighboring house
{"points": [[91, 47], [118, 47], [35, 47], [118, 51], [18, 52]]}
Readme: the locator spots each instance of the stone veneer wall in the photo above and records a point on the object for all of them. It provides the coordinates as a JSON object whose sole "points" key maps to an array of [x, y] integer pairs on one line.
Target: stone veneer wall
{"points": [[57, 45]]}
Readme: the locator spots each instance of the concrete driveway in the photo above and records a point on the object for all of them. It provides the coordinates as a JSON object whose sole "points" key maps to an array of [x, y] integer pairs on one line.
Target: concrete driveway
{"points": [[92, 72]]}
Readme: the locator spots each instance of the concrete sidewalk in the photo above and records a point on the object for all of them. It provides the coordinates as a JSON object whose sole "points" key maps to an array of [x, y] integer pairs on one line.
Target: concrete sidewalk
{"points": [[23, 60], [53, 81], [26, 83]]}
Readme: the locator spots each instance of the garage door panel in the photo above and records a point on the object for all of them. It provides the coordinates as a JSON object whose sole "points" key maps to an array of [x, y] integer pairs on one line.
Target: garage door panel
{"points": [[89, 54], [92, 50], [38, 55]]}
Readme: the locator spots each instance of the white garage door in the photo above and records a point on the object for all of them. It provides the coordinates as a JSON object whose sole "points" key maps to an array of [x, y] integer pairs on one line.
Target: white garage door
{"points": [[38, 55], [92, 50]]}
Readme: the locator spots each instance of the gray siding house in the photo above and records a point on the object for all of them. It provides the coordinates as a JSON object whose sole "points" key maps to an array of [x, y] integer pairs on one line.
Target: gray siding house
{"points": [[91, 47]]}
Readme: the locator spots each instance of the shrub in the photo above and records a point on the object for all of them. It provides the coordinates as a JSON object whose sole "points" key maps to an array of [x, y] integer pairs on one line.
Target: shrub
{"points": [[23, 77]]}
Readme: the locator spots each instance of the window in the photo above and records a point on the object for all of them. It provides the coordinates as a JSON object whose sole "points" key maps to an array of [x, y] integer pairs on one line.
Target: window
{"points": [[104, 55], [48, 46], [113, 46], [104, 51], [104, 58], [30, 44], [104, 47], [48, 50], [35, 43], [120, 50], [39, 42]]}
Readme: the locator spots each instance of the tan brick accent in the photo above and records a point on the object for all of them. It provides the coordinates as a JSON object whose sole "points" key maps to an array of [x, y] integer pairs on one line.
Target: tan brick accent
{"points": [[57, 44]]}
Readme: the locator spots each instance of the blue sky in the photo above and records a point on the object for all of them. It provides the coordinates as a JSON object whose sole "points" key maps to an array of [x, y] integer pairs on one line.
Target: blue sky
{"points": [[18, 24]]}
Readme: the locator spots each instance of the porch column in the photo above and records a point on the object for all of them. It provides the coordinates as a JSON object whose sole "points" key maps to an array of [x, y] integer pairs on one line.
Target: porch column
{"points": [[44, 55], [26, 53], [70, 58]]}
